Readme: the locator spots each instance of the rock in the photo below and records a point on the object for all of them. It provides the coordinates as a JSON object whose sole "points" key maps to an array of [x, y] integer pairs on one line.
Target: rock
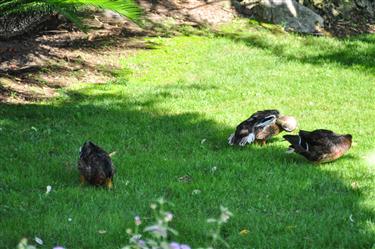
{"points": [[294, 16], [367, 5], [16, 25]]}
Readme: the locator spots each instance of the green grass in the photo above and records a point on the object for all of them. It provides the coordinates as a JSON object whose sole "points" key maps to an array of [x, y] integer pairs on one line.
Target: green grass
{"points": [[168, 100]]}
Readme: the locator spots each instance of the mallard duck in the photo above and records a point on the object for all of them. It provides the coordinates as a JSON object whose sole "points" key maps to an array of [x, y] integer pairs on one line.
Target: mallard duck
{"points": [[95, 166], [319, 146], [261, 126]]}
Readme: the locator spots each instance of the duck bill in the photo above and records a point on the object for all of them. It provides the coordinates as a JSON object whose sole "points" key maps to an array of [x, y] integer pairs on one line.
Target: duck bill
{"points": [[109, 183]]}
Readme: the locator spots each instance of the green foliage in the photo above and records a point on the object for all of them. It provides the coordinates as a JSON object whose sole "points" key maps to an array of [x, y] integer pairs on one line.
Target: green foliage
{"points": [[68, 8]]}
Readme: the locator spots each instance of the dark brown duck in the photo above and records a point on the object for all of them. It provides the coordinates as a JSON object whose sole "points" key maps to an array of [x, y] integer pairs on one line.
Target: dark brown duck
{"points": [[95, 166], [319, 146]]}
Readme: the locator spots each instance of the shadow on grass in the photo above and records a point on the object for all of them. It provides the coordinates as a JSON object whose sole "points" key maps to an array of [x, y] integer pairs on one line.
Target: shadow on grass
{"points": [[282, 199], [356, 51]]}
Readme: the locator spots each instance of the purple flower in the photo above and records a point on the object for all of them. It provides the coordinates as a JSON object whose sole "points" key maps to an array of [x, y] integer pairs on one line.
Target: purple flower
{"points": [[58, 247], [141, 243], [174, 245]]}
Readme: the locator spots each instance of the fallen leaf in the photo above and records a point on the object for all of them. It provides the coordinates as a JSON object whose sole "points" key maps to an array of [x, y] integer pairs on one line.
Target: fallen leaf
{"points": [[184, 179]]}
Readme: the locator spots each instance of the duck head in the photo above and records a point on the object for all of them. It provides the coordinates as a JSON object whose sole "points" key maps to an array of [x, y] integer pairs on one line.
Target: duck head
{"points": [[348, 139], [287, 123]]}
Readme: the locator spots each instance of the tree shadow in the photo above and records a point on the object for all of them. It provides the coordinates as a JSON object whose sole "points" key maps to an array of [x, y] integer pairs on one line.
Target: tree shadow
{"points": [[284, 200], [354, 52]]}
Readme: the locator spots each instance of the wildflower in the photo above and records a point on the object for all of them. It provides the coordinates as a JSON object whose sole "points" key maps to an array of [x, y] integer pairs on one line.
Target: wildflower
{"points": [[137, 220], [141, 243], [168, 217], [38, 241], [175, 245], [196, 192], [157, 230], [225, 214], [49, 188], [153, 206], [58, 247]]}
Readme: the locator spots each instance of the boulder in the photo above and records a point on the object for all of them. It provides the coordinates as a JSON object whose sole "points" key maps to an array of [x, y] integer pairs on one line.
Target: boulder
{"points": [[289, 13], [16, 25]]}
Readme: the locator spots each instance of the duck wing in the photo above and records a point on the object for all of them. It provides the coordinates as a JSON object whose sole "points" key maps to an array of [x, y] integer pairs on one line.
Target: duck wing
{"points": [[318, 146], [246, 130], [95, 164]]}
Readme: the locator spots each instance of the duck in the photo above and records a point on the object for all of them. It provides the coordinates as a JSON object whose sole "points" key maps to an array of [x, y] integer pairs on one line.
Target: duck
{"points": [[95, 166], [261, 126], [319, 146]]}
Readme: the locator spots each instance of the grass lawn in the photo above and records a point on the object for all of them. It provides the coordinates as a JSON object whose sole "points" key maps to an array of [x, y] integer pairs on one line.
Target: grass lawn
{"points": [[169, 115]]}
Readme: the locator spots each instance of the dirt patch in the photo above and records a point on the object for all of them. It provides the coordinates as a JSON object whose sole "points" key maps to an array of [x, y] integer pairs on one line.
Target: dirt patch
{"points": [[36, 66]]}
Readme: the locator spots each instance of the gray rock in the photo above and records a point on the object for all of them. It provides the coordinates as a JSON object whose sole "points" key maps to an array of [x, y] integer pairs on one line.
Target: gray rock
{"points": [[289, 13], [15, 25]]}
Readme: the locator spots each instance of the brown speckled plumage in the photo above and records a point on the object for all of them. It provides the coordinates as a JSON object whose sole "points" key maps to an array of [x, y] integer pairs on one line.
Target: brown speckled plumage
{"points": [[95, 165], [320, 146], [260, 127]]}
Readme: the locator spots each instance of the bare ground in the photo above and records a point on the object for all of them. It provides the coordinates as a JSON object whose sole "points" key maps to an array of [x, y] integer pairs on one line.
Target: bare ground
{"points": [[35, 67]]}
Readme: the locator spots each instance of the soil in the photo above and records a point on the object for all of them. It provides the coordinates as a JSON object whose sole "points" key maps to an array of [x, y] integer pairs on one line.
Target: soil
{"points": [[36, 66]]}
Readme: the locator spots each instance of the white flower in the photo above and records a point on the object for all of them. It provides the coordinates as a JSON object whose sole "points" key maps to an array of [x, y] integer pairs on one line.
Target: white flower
{"points": [[168, 217], [196, 192], [225, 214], [49, 188], [38, 241], [137, 220]]}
